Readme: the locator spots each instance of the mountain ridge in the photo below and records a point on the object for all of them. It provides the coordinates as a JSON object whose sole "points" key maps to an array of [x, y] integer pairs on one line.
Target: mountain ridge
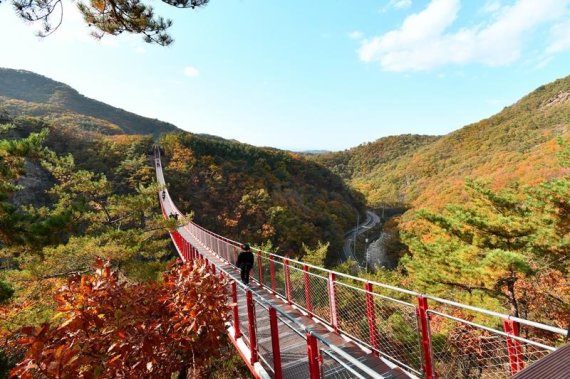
{"points": [[516, 144], [61, 98]]}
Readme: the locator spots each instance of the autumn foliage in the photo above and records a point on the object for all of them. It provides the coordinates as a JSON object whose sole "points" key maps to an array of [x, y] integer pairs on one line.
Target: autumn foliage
{"points": [[110, 329]]}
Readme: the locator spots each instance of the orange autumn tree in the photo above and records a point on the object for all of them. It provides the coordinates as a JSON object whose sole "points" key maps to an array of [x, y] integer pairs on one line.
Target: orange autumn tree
{"points": [[110, 329]]}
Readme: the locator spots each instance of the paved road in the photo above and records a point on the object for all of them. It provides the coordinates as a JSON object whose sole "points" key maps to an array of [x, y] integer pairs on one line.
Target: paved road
{"points": [[371, 220]]}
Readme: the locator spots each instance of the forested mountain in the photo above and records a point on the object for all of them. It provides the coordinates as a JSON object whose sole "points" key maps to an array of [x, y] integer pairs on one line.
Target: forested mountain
{"points": [[26, 93], [516, 144], [356, 162], [259, 194]]}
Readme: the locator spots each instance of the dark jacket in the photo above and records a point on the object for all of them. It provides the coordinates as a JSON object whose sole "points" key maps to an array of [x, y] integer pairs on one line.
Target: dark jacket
{"points": [[245, 260]]}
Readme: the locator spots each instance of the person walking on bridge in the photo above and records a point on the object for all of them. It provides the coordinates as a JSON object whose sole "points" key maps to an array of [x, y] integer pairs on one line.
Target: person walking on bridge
{"points": [[245, 263]]}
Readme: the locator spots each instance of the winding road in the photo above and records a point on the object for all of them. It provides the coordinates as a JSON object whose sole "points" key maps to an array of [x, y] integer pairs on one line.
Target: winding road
{"points": [[371, 220]]}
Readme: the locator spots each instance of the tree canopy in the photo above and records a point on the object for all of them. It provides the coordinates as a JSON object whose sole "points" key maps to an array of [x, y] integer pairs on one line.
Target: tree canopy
{"points": [[507, 247], [112, 17], [109, 329]]}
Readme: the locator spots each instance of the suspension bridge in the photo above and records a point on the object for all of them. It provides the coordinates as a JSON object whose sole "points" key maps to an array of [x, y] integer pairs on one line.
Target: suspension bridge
{"points": [[296, 320]]}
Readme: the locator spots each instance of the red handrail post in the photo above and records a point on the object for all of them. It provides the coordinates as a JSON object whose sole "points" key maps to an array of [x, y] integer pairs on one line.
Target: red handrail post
{"points": [[251, 322], [287, 280], [237, 332], [272, 272], [371, 313], [313, 354], [423, 317], [513, 346], [307, 281], [186, 250], [332, 301], [175, 240], [275, 343], [260, 267]]}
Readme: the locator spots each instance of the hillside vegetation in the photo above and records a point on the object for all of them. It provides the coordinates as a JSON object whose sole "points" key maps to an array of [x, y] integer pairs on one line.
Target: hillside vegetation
{"points": [[519, 143], [26, 93], [259, 194]]}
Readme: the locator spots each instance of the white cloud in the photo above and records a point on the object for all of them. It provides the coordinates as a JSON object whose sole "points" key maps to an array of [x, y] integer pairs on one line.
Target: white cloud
{"points": [[191, 71], [559, 38], [140, 50], [401, 4], [491, 6], [422, 43], [396, 4], [356, 35]]}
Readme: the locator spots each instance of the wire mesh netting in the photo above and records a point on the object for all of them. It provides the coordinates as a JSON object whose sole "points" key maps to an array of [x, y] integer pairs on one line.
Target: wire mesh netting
{"points": [[226, 249], [461, 349], [351, 311], [298, 286], [255, 269], [279, 278], [397, 332], [266, 268], [320, 297]]}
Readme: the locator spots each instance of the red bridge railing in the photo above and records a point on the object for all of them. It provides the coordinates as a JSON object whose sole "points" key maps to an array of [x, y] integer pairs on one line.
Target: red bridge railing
{"points": [[425, 335]]}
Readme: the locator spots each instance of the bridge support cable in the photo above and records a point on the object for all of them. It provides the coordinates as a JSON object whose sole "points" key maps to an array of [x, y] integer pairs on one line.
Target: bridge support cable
{"points": [[367, 328]]}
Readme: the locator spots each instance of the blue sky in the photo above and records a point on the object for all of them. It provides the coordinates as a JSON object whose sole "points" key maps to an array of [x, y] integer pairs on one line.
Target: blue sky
{"points": [[312, 74]]}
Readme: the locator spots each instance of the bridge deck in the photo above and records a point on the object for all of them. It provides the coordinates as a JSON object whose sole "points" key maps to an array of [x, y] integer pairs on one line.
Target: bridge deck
{"points": [[293, 345]]}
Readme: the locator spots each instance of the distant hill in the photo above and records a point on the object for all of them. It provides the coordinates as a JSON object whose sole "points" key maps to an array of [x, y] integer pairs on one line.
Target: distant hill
{"points": [[517, 144], [26, 93], [356, 162], [314, 152]]}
